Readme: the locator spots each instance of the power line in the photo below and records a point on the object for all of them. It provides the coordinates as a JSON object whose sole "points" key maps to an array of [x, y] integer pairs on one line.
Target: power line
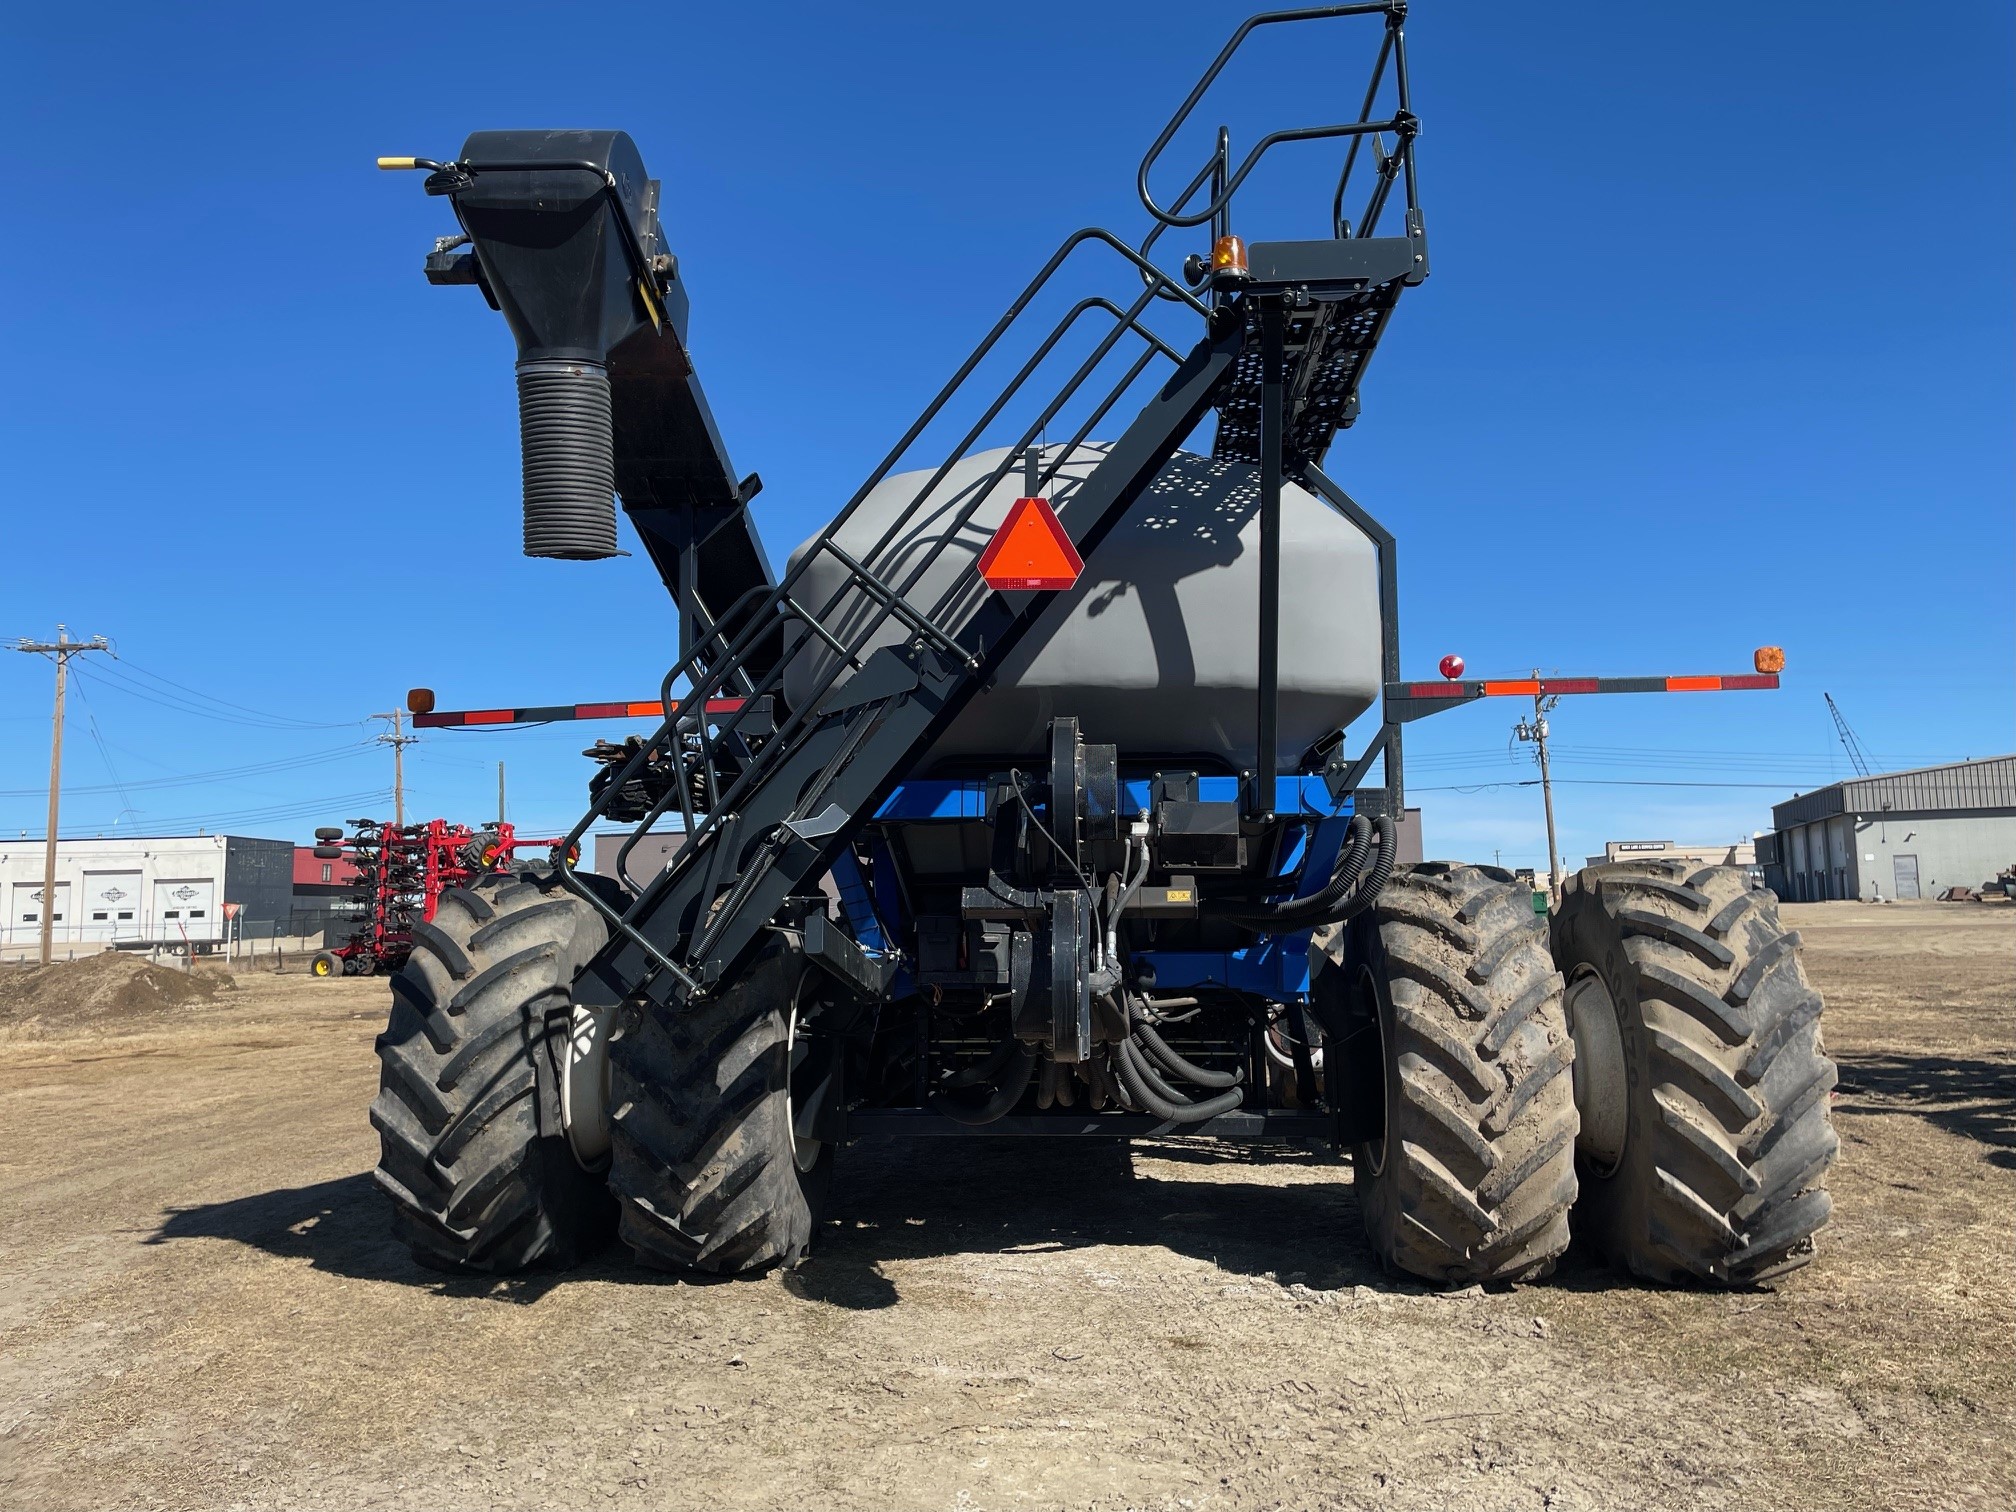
{"points": [[211, 711], [196, 693], [222, 774], [98, 739], [327, 806], [1526, 782]]}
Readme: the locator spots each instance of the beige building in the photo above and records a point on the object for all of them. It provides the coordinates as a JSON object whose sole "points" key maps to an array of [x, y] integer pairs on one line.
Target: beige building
{"points": [[1742, 854]]}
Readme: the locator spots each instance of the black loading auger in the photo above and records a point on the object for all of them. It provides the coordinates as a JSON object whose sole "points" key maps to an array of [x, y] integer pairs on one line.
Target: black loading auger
{"points": [[951, 862]]}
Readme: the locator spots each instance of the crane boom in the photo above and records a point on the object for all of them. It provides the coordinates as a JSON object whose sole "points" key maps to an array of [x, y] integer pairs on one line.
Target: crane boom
{"points": [[1848, 741]]}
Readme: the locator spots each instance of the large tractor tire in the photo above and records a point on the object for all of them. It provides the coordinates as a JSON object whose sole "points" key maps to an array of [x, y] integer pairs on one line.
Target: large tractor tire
{"points": [[473, 1065], [711, 1172], [1472, 1175], [1700, 1073]]}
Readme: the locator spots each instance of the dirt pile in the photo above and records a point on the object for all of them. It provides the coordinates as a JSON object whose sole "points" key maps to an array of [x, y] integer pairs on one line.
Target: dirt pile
{"points": [[101, 991]]}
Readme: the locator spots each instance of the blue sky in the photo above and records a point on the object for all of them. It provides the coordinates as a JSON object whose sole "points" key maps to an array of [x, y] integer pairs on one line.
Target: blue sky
{"points": [[1716, 353]]}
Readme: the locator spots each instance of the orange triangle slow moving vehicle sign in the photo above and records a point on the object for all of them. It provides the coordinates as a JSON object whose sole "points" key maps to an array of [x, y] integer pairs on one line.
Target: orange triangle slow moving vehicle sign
{"points": [[1030, 551]]}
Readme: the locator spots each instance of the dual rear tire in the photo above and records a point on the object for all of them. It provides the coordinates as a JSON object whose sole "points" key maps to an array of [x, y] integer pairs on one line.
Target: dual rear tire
{"points": [[715, 1167], [1647, 1074], [473, 1147], [1472, 1173], [1703, 1080], [512, 1131]]}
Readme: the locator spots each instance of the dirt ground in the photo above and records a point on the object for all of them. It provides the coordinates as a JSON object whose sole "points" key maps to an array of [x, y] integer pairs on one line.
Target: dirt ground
{"points": [[201, 1307]]}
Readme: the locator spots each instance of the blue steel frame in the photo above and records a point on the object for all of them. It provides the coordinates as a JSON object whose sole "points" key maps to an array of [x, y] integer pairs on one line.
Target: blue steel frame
{"points": [[1275, 967]]}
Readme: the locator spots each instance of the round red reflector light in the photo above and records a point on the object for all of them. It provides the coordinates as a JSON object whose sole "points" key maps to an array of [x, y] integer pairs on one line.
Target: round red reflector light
{"points": [[1452, 667]]}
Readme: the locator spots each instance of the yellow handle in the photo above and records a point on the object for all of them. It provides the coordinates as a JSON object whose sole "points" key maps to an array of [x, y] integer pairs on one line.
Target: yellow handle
{"points": [[385, 162]]}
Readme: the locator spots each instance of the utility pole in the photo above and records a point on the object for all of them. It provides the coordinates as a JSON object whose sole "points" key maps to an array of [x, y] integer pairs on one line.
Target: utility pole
{"points": [[1535, 730], [62, 649], [398, 739]]}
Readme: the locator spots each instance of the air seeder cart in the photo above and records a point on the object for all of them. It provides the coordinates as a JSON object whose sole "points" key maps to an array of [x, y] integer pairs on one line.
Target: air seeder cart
{"points": [[1025, 800]]}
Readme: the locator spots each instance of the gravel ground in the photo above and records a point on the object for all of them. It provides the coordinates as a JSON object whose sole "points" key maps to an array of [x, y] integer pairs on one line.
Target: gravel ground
{"points": [[202, 1307]]}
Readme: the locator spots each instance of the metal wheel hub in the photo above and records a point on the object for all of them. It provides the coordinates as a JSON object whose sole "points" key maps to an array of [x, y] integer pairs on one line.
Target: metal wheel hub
{"points": [[1602, 1089], [584, 1086], [1365, 992], [804, 1148]]}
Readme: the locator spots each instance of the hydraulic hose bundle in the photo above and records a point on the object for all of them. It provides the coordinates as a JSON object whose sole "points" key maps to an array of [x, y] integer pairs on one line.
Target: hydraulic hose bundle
{"points": [[1351, 888], [1145, 1062], [1145, 1068]]}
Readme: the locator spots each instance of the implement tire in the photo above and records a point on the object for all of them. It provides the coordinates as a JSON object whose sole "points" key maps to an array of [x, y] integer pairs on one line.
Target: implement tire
{"points": [[1472, 1177], [705, 1162], [1702, 1078], [472, 1150]]}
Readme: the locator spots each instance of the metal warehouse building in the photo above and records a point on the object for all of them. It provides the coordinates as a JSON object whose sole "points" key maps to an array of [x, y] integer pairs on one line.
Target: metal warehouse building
{"points": [[146, 890], [1898, 835]]}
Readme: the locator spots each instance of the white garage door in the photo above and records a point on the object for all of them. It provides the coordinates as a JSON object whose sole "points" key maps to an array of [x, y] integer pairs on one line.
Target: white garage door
{"points": [[24, 913], [185, 908], [111, 906]]}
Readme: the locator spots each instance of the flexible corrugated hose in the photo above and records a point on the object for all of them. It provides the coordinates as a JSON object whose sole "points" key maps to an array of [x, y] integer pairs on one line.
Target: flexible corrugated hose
{"points": [[569, 449]]}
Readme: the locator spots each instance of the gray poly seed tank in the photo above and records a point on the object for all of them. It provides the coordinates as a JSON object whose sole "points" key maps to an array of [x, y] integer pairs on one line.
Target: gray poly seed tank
{"points": [[1155, 649]]}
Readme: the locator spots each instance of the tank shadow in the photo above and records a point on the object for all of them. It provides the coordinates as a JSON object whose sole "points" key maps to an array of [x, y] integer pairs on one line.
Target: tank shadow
{"points": [[905, 1201], [899, 1201], [1974, 1098]]}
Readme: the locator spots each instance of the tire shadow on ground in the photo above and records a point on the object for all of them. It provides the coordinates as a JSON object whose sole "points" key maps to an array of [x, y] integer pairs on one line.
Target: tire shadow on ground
{"points": [[344, 1227], [897, 1202], [1974, 1098]]}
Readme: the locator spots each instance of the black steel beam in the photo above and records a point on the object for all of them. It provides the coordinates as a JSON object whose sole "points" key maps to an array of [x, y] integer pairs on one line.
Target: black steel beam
{"points": [[1241, 1124], [1273, 378], [1388, 553]]}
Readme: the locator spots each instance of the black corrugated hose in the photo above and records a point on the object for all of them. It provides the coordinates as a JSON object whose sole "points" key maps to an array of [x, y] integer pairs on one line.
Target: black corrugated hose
{"points": [[565, 429], [1349, 890], [1003, 1096]]}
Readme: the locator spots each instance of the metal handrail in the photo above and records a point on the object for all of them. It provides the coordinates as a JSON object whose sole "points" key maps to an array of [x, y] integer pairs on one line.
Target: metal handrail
{"points": [[725, 655], [1402, 124]]}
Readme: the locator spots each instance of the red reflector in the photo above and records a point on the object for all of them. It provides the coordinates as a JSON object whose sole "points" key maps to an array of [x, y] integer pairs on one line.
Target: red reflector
{"points": [[490, 716], [1030, 551], [1746, 682], [1438, 690], [601, 711], [1693, 685], [1569, 685], [724, 705]]}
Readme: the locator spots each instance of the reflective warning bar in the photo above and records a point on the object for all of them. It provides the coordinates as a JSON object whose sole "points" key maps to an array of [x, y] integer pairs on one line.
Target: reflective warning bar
{"points": [[649, 708], [1406, 701]]}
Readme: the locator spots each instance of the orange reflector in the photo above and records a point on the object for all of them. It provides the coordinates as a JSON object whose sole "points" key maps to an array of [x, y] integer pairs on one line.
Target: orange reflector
{"points": [[421, 700], [1228, 255], [1693, 685], [1769, 659], [1030, 551], [1517, 685]]}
